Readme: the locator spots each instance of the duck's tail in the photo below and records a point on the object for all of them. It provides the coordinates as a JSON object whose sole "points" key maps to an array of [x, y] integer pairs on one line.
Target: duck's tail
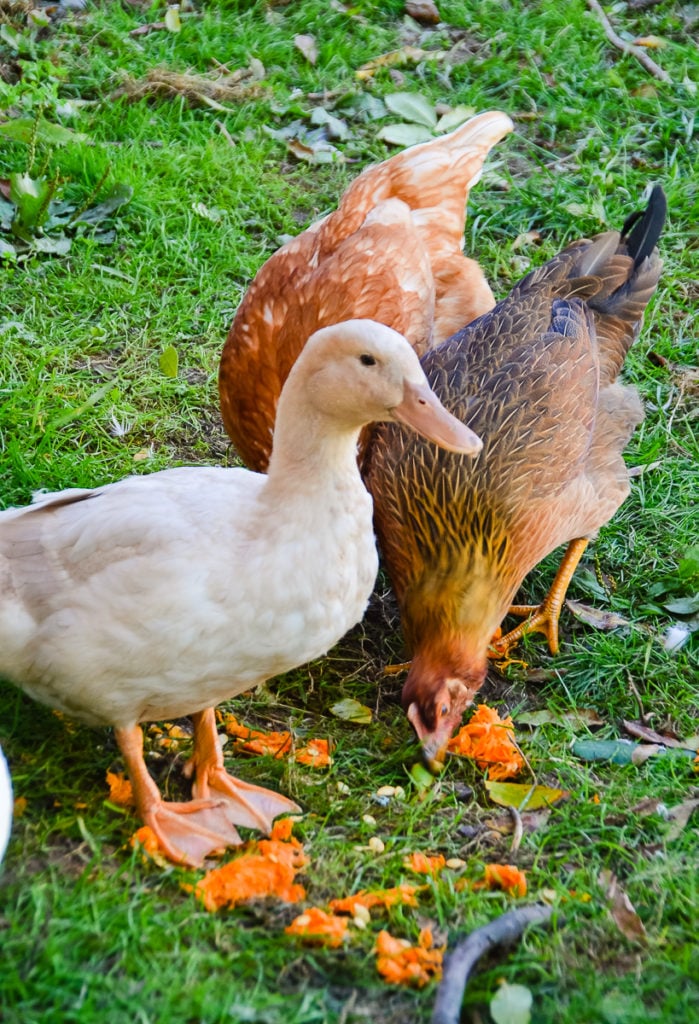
{"points": [[615, 274]]}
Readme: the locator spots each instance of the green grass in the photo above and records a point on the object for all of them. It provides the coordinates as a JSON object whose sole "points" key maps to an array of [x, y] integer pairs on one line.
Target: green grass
{"points": [[90, 934]]}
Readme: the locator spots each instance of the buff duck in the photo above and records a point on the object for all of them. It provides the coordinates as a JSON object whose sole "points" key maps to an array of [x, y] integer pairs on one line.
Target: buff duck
{"points": [[392, 251], [537, 379], [161, 595]]}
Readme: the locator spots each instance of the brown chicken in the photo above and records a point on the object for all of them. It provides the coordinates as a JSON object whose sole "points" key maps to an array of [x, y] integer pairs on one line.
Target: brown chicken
{"points": [[392, 252], [536, 379]]}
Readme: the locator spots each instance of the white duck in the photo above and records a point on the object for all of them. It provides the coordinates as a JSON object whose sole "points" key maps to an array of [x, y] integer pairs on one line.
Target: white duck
{"points": [[162, 595]]}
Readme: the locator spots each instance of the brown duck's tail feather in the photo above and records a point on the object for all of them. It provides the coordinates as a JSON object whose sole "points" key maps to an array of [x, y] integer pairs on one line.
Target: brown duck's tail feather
{"points": [[618, 313], [642, 229]]}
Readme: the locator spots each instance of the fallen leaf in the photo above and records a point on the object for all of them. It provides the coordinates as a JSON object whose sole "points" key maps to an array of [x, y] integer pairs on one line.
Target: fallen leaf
{"points": [[307, 46], [454, 117], [622, 751], [596, 617], [396, 58], [511, 1004], [413, 107], [526, 239], [651, 42], [172, 19], [399, 963], [423, 11], [315, 153], [488, 740], [422, 778], [352, 711], [679, 815], [577, 716], [622, 909], [168, 361], [120, 790], [404, 134], [520, 796], [319, 928], [644, 733]]}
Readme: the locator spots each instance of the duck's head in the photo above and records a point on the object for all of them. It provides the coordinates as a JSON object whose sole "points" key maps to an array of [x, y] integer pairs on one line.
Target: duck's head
{"points": [[434, 700], [360, 371]]}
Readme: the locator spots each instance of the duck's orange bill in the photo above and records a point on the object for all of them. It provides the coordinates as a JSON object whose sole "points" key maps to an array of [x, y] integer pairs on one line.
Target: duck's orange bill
{"points": [[422, 410]]}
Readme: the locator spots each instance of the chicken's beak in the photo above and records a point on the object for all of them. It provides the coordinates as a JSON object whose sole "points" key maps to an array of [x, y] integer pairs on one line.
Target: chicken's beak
{"points": [[433, 751], [422, 410]]}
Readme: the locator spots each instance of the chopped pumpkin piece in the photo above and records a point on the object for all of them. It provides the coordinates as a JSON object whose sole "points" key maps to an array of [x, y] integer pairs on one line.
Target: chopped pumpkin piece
{"points": [[254, 741], [319, 927], [488, 740], [422, 864], [316, 754], [402, 964], [401, 894], [120, 791], [506, 877], [266, 868]]}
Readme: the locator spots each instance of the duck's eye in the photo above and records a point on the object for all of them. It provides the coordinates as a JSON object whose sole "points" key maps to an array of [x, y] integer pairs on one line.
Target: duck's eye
{"points": [[443, 710], [366, 360]]}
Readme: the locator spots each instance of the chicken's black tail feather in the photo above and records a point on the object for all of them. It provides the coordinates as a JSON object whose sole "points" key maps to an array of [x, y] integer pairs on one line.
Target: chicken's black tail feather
{"points": [[642, 229]]}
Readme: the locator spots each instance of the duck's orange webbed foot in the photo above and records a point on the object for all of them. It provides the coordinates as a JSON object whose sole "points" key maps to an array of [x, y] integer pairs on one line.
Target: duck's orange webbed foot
{"points": [[244, 804], [186, 832], [544, 618]]}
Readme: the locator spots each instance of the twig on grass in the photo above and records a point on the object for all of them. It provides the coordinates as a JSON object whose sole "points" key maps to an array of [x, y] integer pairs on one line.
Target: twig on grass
{"points": [[461, 961], [621, 44]]}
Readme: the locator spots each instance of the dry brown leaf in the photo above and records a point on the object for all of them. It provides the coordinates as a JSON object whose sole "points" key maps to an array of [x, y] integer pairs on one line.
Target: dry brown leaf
{"points": [[527, 238], [596, 617], [198, 90], [396, 58], [642, 732], [622, 909], [679, 815], [423, 11]]}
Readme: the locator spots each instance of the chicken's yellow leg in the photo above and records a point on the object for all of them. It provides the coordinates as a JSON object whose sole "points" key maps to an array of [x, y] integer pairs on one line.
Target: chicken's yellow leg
{"points": [[245, 804], [543, 618], [187, 832]]}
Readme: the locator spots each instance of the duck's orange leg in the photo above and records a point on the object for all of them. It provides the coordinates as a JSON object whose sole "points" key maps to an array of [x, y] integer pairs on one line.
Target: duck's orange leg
{"points": [[187, 832], [543, 618], [245, 804]]}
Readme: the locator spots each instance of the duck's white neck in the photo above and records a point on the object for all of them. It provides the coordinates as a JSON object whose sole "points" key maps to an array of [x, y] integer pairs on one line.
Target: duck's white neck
{"points": [[311, 446]]}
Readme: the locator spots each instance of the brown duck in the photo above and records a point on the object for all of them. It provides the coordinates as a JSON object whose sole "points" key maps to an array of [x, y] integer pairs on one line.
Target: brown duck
{"points": [[537, 379]]}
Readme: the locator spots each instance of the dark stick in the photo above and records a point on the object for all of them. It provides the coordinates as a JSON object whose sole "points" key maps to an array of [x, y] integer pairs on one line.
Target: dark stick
{"points": [[461, 961], [621, 44]]}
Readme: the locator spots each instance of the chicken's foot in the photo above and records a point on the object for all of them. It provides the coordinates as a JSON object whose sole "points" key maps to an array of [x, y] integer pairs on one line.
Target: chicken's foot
{"points": [[543, 618]]}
